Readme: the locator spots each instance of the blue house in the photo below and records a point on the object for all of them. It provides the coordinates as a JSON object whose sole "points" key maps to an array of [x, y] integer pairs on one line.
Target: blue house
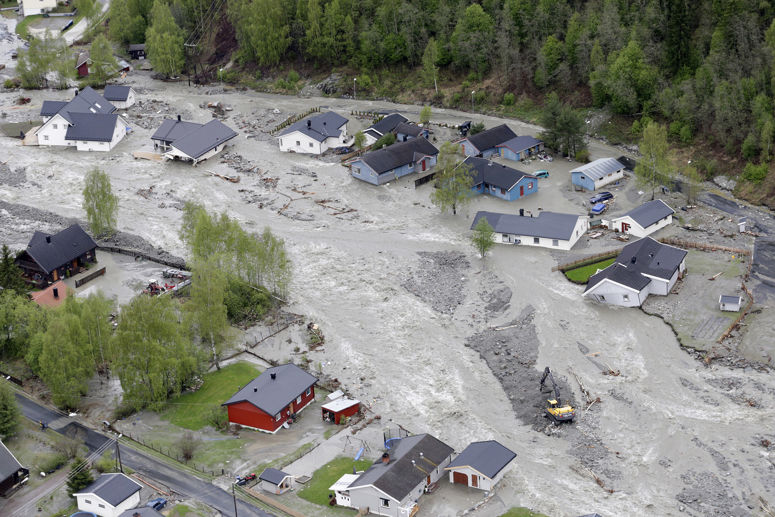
{"points": [[593, 175], [392, 162], [520, 147], [485, 144], [500, 181], [407, 130]]}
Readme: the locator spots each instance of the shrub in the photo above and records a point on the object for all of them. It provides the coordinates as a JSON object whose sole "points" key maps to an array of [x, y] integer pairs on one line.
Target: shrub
{"points": [[755, 173], [218, 418], [293, 77], [480, 96], [686, 135], [105, 463], [364, 82], [243, 303], [750, 148], [230, 76], [476, 128], [12, 83], [508, 99], [582, 156], [188, 444], [384, 141], [53, 462]]}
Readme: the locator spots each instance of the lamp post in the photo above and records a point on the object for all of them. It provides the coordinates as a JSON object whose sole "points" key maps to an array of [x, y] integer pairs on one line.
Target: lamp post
{"points": [[472, 99], [355, 81]]}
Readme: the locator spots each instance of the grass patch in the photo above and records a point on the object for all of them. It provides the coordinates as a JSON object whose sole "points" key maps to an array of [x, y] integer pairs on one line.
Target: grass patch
{"points": [[317, 488], [522, 512], [581, 274], [282, 461], [22, 26], [330, 432], [191, 410]]}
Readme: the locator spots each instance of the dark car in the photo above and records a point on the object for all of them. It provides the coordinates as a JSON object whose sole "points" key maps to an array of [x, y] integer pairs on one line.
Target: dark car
{"points": [[157, 504], [600, 197]]}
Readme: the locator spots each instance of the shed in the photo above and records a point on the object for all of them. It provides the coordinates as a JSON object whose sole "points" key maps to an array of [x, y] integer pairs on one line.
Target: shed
{"points": [[596, 174], [12, 474], [486, 143], [730, 303], [340, 410], [122, 97], [385, 125], [137, 50], [520, 147], [82, 63], [275, 481], [481, 465]]}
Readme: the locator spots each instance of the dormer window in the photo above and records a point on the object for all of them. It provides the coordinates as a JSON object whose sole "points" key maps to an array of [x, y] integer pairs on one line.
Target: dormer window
{"points": [[98, 105], [92, 110]]}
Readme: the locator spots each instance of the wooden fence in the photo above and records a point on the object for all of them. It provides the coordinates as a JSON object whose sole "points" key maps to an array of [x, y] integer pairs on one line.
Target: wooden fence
{"points": [[89, 277], [177, 264], [702, 246], [294, 118], [172, 454]]}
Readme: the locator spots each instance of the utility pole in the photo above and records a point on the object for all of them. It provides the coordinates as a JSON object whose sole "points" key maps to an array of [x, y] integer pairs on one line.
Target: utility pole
{"points": [[234, 496], [118, 455], [472, 100], [355, 96]]}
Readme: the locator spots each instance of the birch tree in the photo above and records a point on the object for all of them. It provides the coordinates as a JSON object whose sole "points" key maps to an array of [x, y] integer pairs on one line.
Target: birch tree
{"points": [[654, 167], [454, 179], [164, 41], [206, 310], [99, 203]]}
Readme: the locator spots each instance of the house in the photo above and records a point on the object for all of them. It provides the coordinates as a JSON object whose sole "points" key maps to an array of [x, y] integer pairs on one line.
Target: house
{"points": [[481, 465], [82, 63], [189, 141], [272, 399], [593, 175], [315, 135], [49, 258], [485, 144], [394, 161], [136, 51], [110, 495], [393, 485], [643, 220], [122, 97], [51, 296], [382, 127], [548, 230], [408, 130], [730, 303], [500, 181], [30, 7], [520, 147], [12, 474], [642, 268], [275, 481], [339, 410], [88, 122]]}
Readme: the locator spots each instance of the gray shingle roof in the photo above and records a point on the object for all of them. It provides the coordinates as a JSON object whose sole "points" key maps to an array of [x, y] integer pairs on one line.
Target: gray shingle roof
{"points": [[204, 138], [8, 463], [549, 225], [487, 458], [494, 173], [387, 124], [273, 476], [86, 101], [599, 168], [652, 258], [92, 127], [620, 274], [409, 129], [322, 126], [649, 213], [114, 92], [398, 154], [725, 298], [83, 57], [137, 46], [51, 108], [520, 143], [410, 462], [112, 488], [171, 129], [492, 137], [64, 247], [273, 395]]}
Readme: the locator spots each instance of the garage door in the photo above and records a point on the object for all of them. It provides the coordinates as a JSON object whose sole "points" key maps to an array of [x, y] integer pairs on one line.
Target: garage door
{"points": [[459, 477]]}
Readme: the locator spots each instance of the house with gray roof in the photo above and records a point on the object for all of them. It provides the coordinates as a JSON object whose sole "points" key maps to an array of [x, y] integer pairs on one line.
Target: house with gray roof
{"points": [[12, 474], [643, 268], [49, 258], [275, 481], [394, 161], [88, 122], [315, 134], [547, 230], [485, 144], [520, 147], [383, 126], [481, 465], [393, 485], [593, 175], [499, 180], [643, 220], [190, 141], [408, 130], [272, 399], [110, 495], [730, 303], [122, 97]]}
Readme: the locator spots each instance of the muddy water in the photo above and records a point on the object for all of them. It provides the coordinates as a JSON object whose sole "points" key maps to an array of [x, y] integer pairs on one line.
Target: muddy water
{"points": [[678, 431]]}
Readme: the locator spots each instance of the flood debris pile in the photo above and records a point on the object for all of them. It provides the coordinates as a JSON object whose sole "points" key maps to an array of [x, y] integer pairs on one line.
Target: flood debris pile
{"points": [[439, 279], [149, 113], [12, 177]]}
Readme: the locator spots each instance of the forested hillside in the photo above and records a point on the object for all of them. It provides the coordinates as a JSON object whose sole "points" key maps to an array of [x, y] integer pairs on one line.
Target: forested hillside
{"points": [[702, 67]]}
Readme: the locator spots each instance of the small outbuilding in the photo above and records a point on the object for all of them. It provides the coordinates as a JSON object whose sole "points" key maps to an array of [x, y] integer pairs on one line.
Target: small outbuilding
{"points": [[315, 134], [643, 220], [275, 481], [593, 175], [485, 144], [83, 63], [481, 465], [122, 97], [520, 147], [730, 303], [12, 474], [137, 50], [110, 495], [385, 125], [408, 130], [338, 411]]}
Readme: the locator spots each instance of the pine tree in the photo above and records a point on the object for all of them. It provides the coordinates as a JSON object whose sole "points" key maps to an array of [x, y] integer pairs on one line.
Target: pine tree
{"points": [[10, 274], [9, 411], [80, 477]]}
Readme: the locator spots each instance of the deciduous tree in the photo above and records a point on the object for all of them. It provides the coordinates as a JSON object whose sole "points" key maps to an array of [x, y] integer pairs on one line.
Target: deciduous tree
{"points": [[425, 115], [262, 30], [654, 167], [99, 203], [80, 477], [164, 41], [454, 179], [20, 319], [9, 411], [482, 238], [103, 63], [206, 310], [359, 140], [430, 68]]}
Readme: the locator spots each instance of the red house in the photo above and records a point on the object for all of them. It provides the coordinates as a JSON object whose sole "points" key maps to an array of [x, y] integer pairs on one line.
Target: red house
{"points": [[272, 399]]}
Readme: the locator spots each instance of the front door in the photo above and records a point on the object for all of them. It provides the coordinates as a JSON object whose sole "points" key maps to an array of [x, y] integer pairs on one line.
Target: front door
{"points": [[423, 164], [474, 481], [56, 275], [625, 227], [521, 190]]}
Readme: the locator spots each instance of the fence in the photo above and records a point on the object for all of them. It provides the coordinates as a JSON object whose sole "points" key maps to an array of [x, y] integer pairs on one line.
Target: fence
{"points": [[586, 261], [177, 264], [425, 179], [89, 277], [294, 118], [172, 454], [702, 246]]}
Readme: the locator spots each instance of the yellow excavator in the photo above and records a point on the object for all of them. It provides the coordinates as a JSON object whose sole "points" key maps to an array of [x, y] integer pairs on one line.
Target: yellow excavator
{"points": [[558, 412]]}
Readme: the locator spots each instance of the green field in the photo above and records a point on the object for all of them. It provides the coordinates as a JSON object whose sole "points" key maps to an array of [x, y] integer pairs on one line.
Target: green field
{"points": [[317, 489], [522, 512], [190, 410], [581, 275]]}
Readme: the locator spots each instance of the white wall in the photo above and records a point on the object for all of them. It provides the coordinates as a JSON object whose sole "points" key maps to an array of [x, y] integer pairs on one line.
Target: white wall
{"points": [[614, 294], [119, 131], [50, 135], [605, 180], [298, 142], [528, 240], [92, 503], [30, 7], [130, 100], [176, 153], [637, 230]]}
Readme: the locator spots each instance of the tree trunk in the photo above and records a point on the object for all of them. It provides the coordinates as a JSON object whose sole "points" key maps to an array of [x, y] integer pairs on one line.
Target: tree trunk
{"points": [[215, 354]]}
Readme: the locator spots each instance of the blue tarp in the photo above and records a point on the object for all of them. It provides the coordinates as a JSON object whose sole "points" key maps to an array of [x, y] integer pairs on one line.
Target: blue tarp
{"points": [[598, 208]]}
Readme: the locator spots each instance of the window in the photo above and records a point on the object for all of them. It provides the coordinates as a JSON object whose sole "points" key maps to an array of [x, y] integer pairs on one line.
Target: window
{"points": [[626, 297], [310, 144], [503, 191], [602, 298], [298, 399], [298, 143], [101, 505], [530, 185], [45, 137], [54, 126], [98, 105], [555, 242], [92, 110], [309, 390], [87, 501], [384, 503], [277, 417], [281, 141], [536, 240]]}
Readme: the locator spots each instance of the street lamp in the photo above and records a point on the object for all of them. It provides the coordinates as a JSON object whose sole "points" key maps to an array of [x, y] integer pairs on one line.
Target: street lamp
{"points": [[472, 100], [355, 96]]}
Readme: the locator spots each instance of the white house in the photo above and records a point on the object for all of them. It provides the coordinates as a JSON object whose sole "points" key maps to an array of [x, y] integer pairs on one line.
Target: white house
{"points": [[384, 126], [315, 135], [109, 496], [88, 122], [189, 141], [643, 220], [481, 465], [30, 7], [122, 97], [393, 486], [548, 230], [643, 267], [593, 175]]}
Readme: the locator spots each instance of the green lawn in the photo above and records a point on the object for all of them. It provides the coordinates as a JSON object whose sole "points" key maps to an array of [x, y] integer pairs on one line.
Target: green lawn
{"points": [[317, 488], [581, 275], [191, 409], [21, 27], [522, 512]]}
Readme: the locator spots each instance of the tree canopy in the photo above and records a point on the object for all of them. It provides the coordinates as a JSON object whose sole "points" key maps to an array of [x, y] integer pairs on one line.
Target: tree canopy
{"points": [[454, 179], [99, 202]]}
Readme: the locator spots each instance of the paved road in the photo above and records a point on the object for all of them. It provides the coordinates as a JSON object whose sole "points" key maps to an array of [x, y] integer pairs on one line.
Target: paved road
{"points": [[177, 480]]}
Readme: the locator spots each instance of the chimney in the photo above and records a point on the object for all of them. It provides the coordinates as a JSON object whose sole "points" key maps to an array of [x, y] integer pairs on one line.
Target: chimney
{"points": [[522, 212], [273, 375], [385, 458], [421, 454], [178, 118], [56, 292], [309, 123], [633, 259], [48, 239], [76, 92], [255, 390]]}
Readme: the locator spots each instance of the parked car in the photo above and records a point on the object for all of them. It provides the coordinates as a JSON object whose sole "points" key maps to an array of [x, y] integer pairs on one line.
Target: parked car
{"points": [[157, 504], [249, 477], [600, 197], [541, 174]]}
